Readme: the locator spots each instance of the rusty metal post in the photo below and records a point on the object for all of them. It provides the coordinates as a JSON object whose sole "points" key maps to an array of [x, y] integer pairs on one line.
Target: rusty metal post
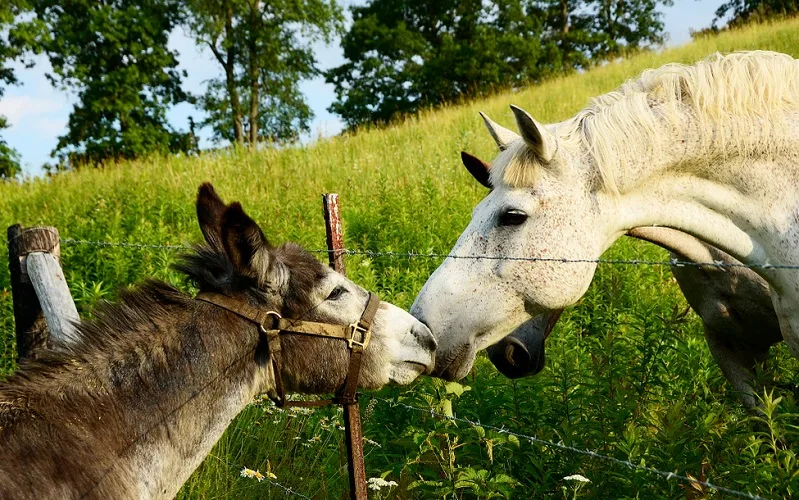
{"points": [[352, 412]]}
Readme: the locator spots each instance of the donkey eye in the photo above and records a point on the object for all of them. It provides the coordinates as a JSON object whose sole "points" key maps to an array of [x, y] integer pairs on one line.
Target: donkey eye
{"points": [[512, 218], [336, 293]]}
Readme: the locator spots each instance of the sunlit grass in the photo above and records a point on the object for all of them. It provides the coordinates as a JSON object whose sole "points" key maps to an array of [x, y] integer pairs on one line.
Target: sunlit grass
{"points": [[626, 374]]}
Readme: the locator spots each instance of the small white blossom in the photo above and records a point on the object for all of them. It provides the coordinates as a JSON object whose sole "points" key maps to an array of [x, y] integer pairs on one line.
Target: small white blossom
{"points": [[376, 483], [252, 474], [373, 443], [577, 477]]}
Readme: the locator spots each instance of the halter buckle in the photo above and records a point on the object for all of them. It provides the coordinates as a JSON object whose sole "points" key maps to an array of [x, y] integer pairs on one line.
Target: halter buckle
{"points": [[354, 328], [277, 317]]}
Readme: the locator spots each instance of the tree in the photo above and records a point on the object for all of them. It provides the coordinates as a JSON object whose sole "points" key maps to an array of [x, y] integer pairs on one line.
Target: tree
{"points": [[265, 50], [745, 11], [12, 47], [627, 26], [113, 54], [406, 54]]}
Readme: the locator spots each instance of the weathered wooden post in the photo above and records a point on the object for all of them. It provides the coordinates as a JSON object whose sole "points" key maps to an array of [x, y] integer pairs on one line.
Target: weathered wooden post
{"points": [[43, 308], [352, 412]]}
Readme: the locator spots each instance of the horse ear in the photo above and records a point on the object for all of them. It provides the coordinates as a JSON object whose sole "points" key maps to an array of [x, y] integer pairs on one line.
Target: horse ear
{"points": [[542, 142], [244, 243], [210, 209], [502, 136], [479, 169]]}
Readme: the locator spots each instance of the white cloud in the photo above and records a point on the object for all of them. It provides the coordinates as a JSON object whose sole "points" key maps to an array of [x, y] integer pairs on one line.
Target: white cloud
{"points": [[23, 109]]}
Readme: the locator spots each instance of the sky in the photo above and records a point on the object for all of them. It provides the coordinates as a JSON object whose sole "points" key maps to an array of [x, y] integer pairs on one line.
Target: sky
{"points": [[38, 113]]}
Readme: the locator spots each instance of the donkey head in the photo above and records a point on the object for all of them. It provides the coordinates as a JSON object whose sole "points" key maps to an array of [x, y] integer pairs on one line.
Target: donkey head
{"points": [[239, 261]]}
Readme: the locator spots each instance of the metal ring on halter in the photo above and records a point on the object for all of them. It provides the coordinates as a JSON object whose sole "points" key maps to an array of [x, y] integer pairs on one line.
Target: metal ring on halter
{"points": [[275, 315]]}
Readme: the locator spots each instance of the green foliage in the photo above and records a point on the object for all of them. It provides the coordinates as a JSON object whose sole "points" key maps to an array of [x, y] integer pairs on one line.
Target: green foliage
{"points": [[628, 375], [13, 46], [113, 55], [741, 12], [265, 50], [9, 158], [406, 55]]}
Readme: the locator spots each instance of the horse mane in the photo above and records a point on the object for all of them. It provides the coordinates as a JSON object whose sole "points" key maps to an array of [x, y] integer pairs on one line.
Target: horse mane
{"points": [[755, 88]]}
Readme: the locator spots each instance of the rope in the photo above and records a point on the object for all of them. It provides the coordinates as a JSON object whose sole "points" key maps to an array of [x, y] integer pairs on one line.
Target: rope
{"points": [[418, 255], [572, 449]]}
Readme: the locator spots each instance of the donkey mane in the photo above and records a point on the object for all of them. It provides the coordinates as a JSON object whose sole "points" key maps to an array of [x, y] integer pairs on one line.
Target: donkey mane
{"points": [[131, 337], [755, 88]]}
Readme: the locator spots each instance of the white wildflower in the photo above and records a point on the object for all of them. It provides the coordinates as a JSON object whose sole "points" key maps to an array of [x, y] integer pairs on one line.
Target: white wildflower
{"points": [[577, 477], [373, 443], [252, 474], [376, 483]]}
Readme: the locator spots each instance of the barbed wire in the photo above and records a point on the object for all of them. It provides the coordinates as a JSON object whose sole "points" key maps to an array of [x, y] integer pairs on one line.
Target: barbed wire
{"points": [[433, 255], [124, 244], [668, 475]]}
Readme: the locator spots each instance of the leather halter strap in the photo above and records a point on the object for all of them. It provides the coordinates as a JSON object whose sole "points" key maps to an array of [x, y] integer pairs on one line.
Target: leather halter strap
{"points": [[271, 323]]}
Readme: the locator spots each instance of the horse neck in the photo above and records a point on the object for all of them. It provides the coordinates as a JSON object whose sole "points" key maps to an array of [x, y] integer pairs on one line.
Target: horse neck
{"points": [[714, 191]]}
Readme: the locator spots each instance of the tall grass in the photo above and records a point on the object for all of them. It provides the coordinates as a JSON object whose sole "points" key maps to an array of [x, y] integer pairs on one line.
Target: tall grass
{"points": [[628, 374]]}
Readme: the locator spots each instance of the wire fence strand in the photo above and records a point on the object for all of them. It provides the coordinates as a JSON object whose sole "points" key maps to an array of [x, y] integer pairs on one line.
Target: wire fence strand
{"points": [[418, 255], [433, 255], [269, 480], [666, 474]]}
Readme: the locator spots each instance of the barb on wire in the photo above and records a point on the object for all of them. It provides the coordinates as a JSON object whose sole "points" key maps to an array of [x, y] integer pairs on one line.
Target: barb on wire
{"points": [[433, 255], [589, 453], [124, 244], [271, 481]]}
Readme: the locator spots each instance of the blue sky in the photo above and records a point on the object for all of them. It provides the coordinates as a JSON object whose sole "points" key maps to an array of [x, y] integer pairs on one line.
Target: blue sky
{"points": [[38, 113]]}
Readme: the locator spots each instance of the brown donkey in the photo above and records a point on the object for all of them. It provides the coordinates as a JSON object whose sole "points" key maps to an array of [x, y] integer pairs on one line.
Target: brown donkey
{"points": [[134, 408]]}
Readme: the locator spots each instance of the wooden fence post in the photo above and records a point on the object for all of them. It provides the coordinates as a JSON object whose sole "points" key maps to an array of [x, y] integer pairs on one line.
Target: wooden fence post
{"points": [[353, 434], [43, 308]]}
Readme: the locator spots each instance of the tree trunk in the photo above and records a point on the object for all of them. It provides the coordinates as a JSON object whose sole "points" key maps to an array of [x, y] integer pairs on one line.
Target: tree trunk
{"points": [[254, 73], [564, 12], [230, 78]]}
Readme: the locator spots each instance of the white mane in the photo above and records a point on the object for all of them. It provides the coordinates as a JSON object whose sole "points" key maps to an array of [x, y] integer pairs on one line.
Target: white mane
{"points": [[735, 104]]}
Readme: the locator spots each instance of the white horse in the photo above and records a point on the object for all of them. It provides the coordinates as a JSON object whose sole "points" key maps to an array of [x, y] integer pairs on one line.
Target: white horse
{"points": [[709, 149]]}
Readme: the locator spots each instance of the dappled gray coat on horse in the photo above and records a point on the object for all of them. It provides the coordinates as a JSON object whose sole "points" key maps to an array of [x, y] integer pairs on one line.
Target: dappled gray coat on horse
{"points": [[710, 150], [732, 300], [134, 407]]}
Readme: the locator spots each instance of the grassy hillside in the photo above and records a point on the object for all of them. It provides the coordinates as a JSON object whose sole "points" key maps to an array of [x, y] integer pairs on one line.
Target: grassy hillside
{"points": [[627, 374]]}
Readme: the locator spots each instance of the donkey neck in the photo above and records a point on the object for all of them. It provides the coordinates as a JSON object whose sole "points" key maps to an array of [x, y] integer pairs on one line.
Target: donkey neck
{"points": [[142, 416]]}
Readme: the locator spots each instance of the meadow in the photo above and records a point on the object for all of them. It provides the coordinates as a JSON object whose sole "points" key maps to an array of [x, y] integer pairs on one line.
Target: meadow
{"points": [[628, 372]]}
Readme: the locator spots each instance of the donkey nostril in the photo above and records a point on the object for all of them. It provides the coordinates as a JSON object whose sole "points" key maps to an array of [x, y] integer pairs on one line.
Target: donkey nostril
{"points": [[425, 337]]}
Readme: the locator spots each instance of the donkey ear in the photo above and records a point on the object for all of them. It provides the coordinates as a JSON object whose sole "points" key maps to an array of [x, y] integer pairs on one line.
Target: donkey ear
{"points": [[210, 209], [244, 243], [502, 136], [479, 169], [542, 142]]}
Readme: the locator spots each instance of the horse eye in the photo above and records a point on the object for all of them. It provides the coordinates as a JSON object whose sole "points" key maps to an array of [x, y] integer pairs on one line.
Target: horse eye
{"points": [[512, 218], [336, 293]]}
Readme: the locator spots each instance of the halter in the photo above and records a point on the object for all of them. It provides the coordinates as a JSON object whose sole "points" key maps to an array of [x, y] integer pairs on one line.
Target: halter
{"points": [[272, 324]]}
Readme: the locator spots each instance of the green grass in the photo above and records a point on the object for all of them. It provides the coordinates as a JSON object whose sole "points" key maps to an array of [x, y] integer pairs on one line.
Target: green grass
{"points": [[627, 374]]}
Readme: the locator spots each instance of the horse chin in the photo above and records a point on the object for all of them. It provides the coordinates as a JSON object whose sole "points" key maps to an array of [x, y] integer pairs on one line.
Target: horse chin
{"points": [[457, 365]]}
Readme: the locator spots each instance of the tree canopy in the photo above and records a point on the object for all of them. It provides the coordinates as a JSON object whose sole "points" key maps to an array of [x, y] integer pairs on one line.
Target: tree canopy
{"points": [[406, 54], [745, 11], [14, 45], [113, 55], [265, 51]]}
